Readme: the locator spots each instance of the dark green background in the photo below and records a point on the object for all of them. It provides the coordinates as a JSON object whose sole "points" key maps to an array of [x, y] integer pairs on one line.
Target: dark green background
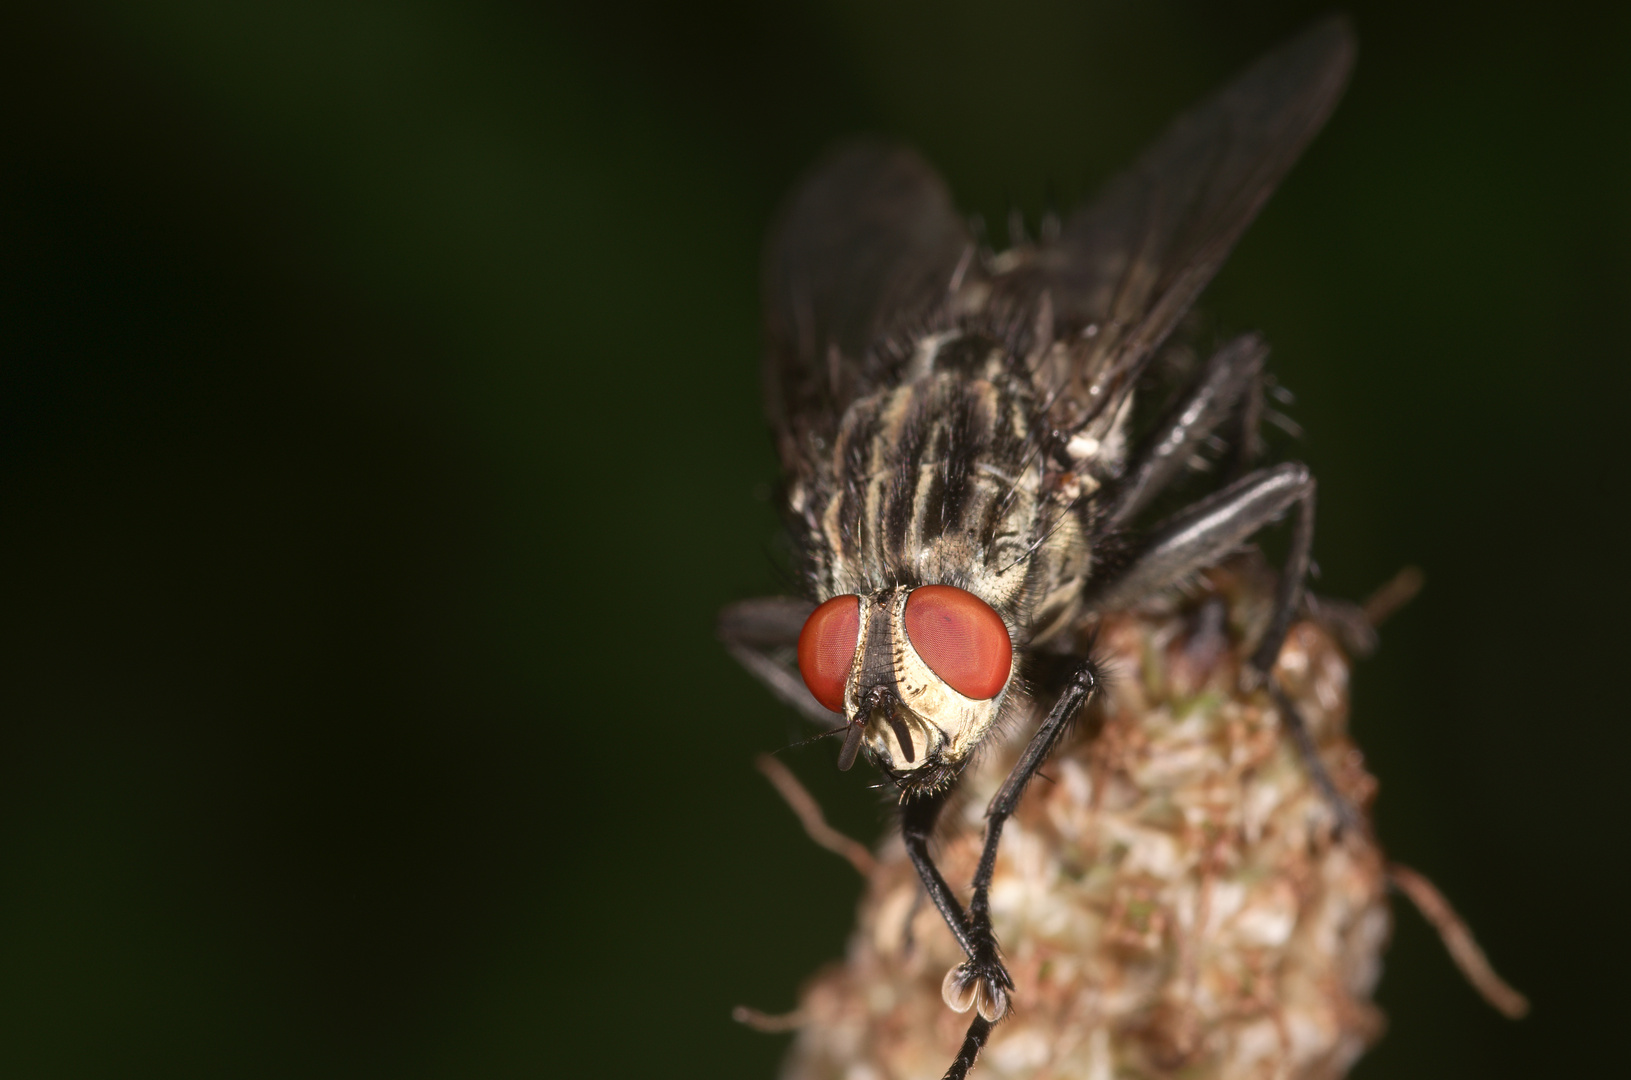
{"points": [[379, 432]]}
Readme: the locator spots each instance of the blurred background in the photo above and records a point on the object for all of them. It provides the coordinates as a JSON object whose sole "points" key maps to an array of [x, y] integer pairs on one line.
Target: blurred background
{"points": [[379, 432]]}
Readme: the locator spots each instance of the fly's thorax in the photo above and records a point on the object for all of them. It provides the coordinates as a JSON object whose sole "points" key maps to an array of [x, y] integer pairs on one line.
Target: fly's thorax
{"points": [[945, 479], [918, 724]]}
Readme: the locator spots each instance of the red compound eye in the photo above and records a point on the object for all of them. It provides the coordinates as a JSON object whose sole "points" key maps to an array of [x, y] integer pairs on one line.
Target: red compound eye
{"points": [[827, 647], [961, 639]]}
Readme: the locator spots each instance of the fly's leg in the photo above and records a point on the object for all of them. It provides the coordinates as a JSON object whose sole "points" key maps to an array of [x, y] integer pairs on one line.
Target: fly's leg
{"points": [[762, 634], [1227, 389], [1242, 434], [767, 622], [978, 1032], [917, 821], [1232, 374], [916, 827], [1348, 819], [1203, 533], [981, 981]]}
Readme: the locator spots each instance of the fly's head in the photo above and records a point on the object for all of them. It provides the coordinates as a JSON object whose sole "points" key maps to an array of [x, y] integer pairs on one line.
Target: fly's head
{"points": [[937, 531], [919, 673]]}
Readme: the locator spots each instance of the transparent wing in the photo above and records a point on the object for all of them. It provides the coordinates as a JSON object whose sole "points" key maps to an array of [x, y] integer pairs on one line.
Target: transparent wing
{"points": [[870, 243], [1126, 267]]}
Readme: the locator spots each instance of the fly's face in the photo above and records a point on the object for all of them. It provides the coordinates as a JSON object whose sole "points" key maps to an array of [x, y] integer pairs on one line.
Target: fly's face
{"points": [[919, 673]]}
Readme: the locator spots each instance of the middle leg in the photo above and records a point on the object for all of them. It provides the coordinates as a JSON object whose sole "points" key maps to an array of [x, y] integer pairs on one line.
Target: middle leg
{"points": [[1205, 532]]}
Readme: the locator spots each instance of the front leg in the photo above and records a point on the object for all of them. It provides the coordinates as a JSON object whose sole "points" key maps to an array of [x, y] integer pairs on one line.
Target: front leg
{"points": [[917, 821], [982, 982]]}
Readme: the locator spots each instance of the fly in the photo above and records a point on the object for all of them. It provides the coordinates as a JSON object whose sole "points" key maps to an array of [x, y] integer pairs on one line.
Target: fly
{"points": [[964, 485]]}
